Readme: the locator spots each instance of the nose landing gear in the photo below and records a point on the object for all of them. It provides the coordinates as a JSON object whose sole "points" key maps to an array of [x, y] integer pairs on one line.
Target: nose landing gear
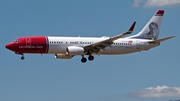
{"points": [[22, 57]]}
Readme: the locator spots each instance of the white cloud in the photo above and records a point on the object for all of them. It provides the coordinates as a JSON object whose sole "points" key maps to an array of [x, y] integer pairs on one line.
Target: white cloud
{"points": [[156, 3], [157, 92]]}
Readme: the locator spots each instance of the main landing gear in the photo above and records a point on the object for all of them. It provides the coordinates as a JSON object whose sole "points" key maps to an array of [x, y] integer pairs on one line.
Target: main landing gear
{"points": [[90, 58], [83, 60]]}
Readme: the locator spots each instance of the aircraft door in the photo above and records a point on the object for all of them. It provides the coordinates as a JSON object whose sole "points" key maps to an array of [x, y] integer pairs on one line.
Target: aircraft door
{"points": [[80, 43], [137, 44], [28, 42]]}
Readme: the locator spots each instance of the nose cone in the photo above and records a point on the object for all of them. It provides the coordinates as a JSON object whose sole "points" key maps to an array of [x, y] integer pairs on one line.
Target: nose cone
{"points": [[9, 46]]}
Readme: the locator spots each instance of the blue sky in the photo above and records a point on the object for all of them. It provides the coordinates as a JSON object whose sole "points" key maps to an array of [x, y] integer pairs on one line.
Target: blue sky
{"points": [[153, 73]]}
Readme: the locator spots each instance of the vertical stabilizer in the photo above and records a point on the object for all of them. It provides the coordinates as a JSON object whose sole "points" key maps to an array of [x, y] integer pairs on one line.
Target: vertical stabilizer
{"points": [[152, 28]]}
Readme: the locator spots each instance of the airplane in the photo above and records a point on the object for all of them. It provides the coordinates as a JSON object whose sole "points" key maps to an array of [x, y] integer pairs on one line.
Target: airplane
{"points": [[68, 47]]}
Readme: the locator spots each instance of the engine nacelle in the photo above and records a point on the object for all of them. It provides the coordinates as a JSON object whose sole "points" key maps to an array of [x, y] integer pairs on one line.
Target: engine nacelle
{"points": [[75, 50], [63, 56]]}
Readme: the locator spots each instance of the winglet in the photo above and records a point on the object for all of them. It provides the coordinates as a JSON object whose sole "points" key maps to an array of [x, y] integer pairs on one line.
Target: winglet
{"points": [[131, 28]]}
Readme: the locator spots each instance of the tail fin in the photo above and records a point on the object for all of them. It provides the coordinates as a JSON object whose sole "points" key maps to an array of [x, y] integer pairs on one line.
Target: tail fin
{"points": [[152, 28]]}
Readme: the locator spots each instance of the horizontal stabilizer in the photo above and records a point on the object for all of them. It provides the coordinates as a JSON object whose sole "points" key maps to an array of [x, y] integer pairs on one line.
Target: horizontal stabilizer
{"points": [[161, 40]]}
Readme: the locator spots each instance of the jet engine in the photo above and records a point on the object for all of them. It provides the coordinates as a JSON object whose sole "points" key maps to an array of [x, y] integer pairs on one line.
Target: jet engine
{"points": [[75, 50], [63, 56]]}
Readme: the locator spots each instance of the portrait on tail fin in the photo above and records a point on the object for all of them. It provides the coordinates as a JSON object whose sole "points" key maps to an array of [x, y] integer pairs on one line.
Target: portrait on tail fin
{"points": [[153, 33]]}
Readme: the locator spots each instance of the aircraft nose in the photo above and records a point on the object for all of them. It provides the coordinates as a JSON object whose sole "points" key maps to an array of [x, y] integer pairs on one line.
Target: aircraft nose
{"points": [[8, 46]]}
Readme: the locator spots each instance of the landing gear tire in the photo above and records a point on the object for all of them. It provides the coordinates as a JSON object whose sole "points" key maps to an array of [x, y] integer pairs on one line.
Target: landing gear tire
{"points": [[90, 58], [22, 58], [83, 60]]}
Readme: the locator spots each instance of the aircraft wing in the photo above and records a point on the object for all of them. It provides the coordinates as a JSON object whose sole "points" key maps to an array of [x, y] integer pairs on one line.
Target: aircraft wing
{"points": [[105, 43], [161, 40]]}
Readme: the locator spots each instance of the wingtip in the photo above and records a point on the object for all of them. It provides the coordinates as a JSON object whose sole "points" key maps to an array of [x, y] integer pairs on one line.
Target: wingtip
{"points": [[132, 27]]}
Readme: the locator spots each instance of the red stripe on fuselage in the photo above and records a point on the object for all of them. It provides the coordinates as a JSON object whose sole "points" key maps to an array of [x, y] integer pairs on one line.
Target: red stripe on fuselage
{"points": [[33, 44]]}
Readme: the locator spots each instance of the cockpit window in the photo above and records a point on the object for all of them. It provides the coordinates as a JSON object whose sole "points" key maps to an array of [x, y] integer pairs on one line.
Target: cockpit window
{"points": [[16, 41]]}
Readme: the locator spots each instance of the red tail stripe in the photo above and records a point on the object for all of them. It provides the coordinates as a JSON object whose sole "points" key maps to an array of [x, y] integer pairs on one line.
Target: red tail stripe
{"points": [[160, 12]]}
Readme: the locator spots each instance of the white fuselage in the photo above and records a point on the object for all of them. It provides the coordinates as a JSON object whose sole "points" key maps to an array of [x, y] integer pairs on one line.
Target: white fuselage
{"points": [[58, 45]]}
